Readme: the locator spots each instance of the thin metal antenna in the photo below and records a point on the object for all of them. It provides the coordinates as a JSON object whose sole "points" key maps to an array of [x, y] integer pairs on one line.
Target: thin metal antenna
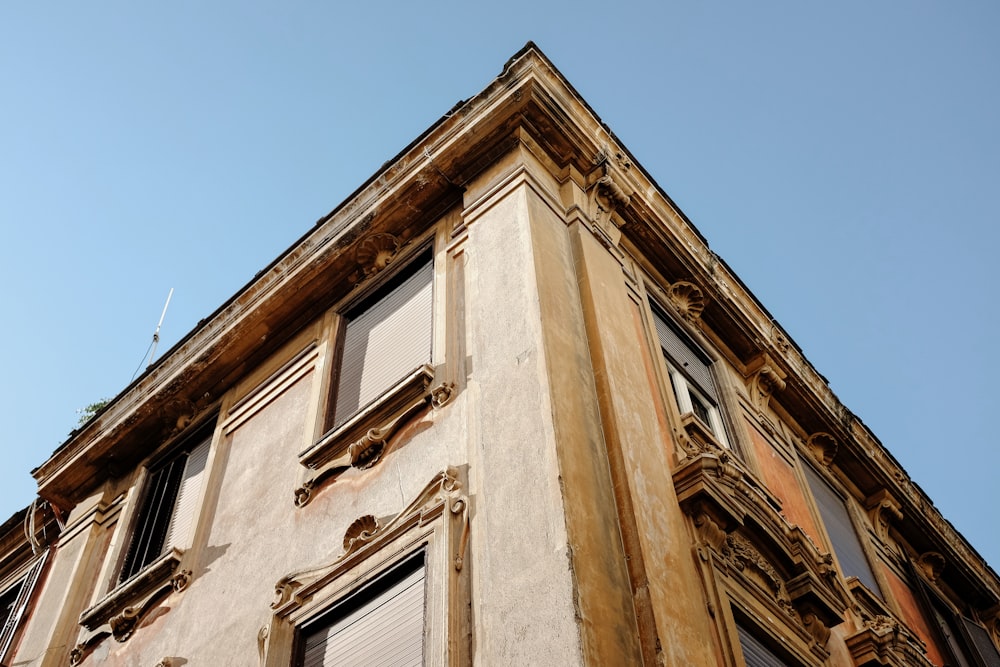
{"points": [[156, 334]]}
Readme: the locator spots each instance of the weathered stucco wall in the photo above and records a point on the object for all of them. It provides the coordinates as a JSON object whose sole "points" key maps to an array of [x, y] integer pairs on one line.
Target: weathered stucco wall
{"points": [[522, 584]]}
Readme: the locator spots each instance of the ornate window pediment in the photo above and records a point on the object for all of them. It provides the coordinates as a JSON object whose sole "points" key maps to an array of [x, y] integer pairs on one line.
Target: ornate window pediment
{"points": [[748, 549], [436, 520]]}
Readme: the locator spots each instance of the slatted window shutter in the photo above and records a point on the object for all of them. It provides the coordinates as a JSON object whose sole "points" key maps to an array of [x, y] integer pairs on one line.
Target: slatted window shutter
{"points": [[980, 641], [14, 603], [380, 624], [685, 355], [840, 528], [181, 528], [756, 653], [169, 509], [384, 341]]}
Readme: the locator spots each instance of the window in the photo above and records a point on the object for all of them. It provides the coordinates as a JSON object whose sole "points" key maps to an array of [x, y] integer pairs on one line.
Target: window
{"points": [[690, 377], [381, 623], [13, 606], [756, 653], [166, 516], [968, 642], [844, 540], [386, 337]]}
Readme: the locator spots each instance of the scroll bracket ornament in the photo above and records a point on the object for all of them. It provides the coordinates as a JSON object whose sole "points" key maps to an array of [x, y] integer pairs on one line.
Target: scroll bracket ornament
{"points": [[608, 196], [765, 380], [883, 509]]}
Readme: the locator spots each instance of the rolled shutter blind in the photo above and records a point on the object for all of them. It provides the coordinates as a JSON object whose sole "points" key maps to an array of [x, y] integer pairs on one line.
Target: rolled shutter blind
{"points": [[181, 527], [385, 342], [981, 642], [756, 653], [685, 355], [841, 531], [387, 629]]}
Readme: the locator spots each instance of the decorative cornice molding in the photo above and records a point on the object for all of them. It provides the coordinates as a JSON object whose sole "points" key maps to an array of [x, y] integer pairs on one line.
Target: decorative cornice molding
{"points": [[883, 641]]}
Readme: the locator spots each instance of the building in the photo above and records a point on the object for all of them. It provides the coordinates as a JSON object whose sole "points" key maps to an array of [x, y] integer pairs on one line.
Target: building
{"points": [[503, 406]]}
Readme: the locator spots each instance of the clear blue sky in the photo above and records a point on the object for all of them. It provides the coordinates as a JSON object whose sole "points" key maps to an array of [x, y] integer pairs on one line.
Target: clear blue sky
{"points": [[842, 157]]}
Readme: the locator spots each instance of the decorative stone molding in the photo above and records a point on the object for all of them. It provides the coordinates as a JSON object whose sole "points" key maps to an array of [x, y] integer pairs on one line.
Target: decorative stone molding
{"points": [[695, 438], [932, 565], [123, 607], [884, 641], [883, 509], [765, 379], [688, 300], [442, 493], [607, 195], [363, 528], [745, 557], [375, 252], [441, 394], [362, 440], [774, 561], [121, 611], [823, 447]]}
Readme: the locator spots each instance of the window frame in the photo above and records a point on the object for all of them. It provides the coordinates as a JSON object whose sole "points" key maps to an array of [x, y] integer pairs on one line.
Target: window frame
{"points": [[373, 296], [359, 440], [121, 605], [23, 586], [354, 600], [840, 552], [435, 521], [682, 386]]}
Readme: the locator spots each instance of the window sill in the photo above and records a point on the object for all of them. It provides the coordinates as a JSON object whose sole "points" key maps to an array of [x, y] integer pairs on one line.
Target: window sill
{"points": [[360, 441], [123, 608], [699, 438]]}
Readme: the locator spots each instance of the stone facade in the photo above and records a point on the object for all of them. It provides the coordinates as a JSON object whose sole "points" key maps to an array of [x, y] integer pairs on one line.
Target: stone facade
{"points": [[610, 454]]}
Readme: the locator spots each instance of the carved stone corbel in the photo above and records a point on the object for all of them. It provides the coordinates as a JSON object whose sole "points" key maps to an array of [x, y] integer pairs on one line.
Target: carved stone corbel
{"points": [[823, 447], [607, 196], [931, 564], [707, 528], [814, 624], [688, 300], [765, 380], [883, 508]]}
